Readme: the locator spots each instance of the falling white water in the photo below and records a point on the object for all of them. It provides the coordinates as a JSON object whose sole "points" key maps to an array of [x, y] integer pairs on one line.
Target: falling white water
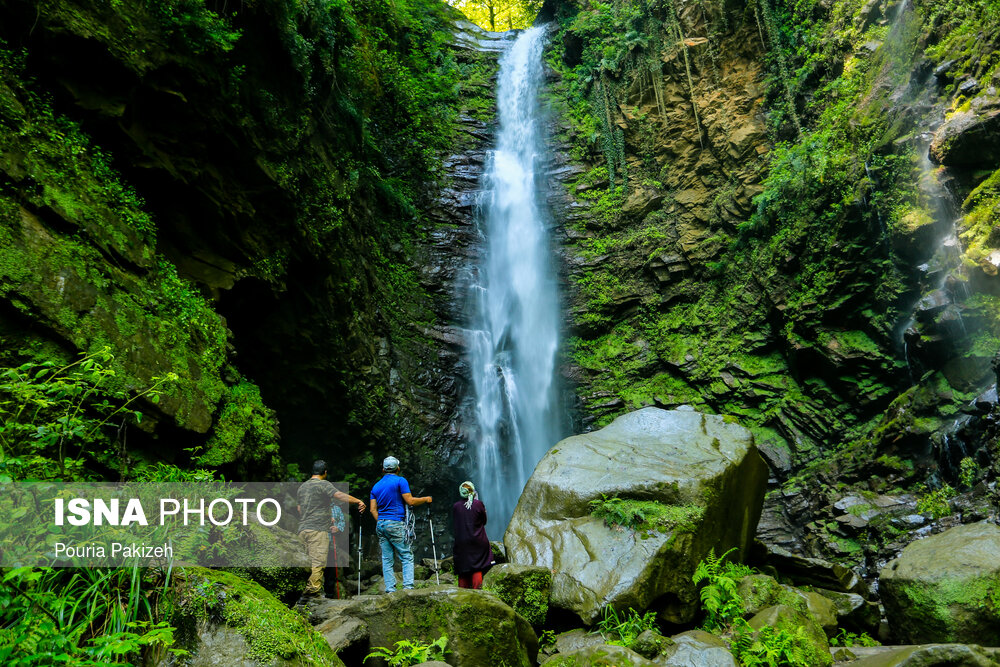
{"points": [[514, 316]]}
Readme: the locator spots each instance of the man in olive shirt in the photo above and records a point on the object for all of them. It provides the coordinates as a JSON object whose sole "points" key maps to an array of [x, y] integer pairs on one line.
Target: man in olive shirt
{"points": [[315, 496]]}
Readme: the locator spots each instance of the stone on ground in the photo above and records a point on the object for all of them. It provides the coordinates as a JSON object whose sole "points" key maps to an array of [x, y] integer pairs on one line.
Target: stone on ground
{"points": [[674, 457], [602, 655], [760, 591], [946, 587]]}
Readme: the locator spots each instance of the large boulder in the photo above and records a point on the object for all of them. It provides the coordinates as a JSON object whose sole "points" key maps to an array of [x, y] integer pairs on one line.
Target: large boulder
{"points": [[602, 655], [760, 591], [524, 587], [481, 629], [969, 138], [934, 655], [946, 587], [224, 620], [678, 458]]}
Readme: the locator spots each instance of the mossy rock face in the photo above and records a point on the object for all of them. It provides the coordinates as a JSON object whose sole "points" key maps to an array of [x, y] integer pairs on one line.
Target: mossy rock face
{"points": [[481, 629], [524, 587], [676, 458], [760, 591], [227, 621], [946, 587], [783, 617]]}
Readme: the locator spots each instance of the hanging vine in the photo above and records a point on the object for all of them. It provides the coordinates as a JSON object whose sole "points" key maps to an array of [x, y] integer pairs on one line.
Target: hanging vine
{"points": [[772, 34]]}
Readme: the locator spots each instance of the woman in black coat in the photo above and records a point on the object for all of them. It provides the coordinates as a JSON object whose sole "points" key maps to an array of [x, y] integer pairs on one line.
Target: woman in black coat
{"points": [[473, 555]]}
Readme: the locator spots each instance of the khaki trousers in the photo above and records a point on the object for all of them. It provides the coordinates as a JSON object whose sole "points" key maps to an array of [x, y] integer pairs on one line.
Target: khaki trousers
{"points": [[317, 544]]}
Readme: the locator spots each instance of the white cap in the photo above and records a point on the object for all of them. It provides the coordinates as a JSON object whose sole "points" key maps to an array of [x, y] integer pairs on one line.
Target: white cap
{"points": [[390, 463]]}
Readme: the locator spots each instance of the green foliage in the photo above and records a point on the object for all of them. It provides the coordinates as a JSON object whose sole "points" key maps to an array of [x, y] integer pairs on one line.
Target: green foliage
{"points": [[624, 629], [719, 598], [935, 502], [83, 616], [55, 418], [498, 15], [645, 515], [968, 471], [845, 638], [769, 646], [546, 639], [409, 652]]}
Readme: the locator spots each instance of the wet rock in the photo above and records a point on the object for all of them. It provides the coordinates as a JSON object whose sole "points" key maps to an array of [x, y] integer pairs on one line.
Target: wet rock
{"points": [[574, 640], [854, 613], [697, 648], [679, 458], [650, 644], [814, 571], [945, 655], [943, 588], [968, 139], [481, 629]]}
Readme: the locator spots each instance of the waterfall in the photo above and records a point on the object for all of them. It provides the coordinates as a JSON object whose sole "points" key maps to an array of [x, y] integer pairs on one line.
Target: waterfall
{"points": [[512, 300]]}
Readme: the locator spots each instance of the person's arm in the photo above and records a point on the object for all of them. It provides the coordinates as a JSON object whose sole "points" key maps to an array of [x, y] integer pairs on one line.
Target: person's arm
{"points": [[413, 502], [345, 498], [374, 509]]}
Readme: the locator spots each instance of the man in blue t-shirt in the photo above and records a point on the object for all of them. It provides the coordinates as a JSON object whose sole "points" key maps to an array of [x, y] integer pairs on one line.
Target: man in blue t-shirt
{"points": [[389, 498]]}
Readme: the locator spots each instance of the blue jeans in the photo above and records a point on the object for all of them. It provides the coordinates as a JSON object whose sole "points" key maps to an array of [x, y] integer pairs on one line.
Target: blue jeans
{"points": [[390, 538]]}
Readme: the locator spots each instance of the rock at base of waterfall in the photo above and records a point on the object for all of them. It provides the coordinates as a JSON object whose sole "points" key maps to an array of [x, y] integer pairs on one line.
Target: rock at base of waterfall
{"points": [[681, 459], [946, 587], [481, 629]]}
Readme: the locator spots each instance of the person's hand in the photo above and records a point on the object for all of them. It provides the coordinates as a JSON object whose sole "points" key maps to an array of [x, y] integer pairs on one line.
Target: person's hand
{"points": [[361, 507], [334, 529], [430, 499]]}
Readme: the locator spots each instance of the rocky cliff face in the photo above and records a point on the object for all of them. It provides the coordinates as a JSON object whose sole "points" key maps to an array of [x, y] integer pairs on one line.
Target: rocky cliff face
{"points": [[754, 227], [244, 195]]}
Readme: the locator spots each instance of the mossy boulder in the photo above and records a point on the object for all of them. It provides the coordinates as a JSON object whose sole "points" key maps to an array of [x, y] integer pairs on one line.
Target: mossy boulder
{"points": [[946, 587], [934, 655], [676, 459], [812, 638], [481, 629], [969, 138], [524, 587], [602, 655], [227, 621], [760, 591]]}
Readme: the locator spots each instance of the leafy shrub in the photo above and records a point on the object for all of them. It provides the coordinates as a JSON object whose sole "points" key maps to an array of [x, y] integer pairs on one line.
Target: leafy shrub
{"points": [[56, 417], [719, 597], [935, 503], [968, 471], [623, 630], [845, 638], [413, 652], [83, 616]]}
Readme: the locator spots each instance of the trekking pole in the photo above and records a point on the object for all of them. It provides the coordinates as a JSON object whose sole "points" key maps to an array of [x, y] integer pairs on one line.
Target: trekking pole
{"points": [[437, 574], [359, 555]]}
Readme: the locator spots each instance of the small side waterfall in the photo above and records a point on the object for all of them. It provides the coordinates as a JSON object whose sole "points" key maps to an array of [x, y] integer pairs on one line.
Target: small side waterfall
{"points": [[513, 303]]}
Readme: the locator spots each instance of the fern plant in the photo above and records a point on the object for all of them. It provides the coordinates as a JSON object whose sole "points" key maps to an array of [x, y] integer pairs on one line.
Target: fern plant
{"points": [[625, 629], [719, 597], [769, 646], [409, 652]]}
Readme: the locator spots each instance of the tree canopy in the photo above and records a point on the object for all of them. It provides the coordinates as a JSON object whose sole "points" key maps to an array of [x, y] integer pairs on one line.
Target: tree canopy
{"points": [[498, 15]]}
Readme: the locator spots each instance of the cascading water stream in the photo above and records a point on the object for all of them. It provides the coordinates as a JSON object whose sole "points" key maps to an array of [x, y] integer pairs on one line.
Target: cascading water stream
{"points": [[513, 302]]}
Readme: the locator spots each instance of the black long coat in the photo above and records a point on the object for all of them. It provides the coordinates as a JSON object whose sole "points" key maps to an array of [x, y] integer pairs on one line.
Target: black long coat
{"points": [[472, 547]]}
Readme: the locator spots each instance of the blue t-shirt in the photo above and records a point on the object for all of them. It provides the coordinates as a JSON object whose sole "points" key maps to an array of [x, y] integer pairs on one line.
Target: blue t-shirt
{"points": [[388, 494]]}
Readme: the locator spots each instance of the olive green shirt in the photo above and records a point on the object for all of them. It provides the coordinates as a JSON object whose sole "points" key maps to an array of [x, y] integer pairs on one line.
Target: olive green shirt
{"points": [[315, 497]]}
